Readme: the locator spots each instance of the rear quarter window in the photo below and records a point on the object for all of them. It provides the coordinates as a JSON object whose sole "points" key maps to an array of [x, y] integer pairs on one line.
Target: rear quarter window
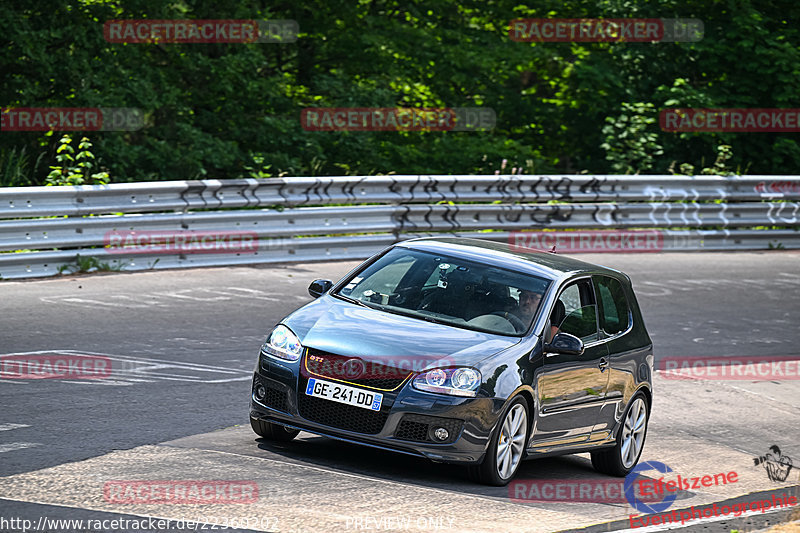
{"points": [[613, 305]]}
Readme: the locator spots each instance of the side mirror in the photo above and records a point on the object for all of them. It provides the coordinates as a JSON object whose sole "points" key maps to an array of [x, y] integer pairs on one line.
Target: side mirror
{"points": [[319, 287], [564, 343]]}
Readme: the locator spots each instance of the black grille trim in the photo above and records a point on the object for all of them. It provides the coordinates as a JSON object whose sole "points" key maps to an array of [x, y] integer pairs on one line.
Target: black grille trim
{"points": [[275, 398], [341, 416]]}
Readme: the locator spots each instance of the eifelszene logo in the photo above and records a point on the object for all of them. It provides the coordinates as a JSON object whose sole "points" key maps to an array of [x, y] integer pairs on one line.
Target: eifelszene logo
{"points": [[637, 502], [650, 488]]}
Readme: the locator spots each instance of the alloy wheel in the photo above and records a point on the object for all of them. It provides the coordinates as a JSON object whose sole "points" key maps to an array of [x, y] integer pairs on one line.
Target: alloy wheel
{"points": [[633, 433], [511, 441]]}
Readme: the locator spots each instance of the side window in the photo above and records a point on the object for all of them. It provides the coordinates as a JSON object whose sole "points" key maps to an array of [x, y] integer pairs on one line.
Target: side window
{"points": [[582, 323], [614, 316], [575, 312], [571, 298]]}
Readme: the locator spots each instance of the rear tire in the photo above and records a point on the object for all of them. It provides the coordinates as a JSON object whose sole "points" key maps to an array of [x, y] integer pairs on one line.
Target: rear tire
{"points": [[270, 431], [620, 460], [510, 437]]}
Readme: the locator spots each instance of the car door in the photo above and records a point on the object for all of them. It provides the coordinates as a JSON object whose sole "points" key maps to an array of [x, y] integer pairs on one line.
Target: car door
{"points": [[571, 389], [624, 352]]}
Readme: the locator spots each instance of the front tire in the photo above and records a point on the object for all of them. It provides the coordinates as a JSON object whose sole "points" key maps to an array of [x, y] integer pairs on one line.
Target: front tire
{"points": [[274, 432], [620, 460], [507, 447]]}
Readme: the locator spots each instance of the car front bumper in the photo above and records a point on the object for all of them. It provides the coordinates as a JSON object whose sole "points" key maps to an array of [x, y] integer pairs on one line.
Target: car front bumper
{"points": [[405, 424]]}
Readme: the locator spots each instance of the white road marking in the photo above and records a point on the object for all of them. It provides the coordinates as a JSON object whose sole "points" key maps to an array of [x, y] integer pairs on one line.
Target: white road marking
{"points": [[84, 302], [10, 426], [98, 382], [11, 446], [164, 298], [762, 395], [182, 294], [654, 285], [251, 293], [126, 368]]}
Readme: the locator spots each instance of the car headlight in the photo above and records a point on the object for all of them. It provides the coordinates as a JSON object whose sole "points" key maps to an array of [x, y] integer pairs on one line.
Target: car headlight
{"points": [[454, 381], [283, 344]]}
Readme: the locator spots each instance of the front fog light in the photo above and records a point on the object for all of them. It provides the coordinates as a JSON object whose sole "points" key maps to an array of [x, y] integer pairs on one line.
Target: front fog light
{"points": [[261, 392], [441, 434]]}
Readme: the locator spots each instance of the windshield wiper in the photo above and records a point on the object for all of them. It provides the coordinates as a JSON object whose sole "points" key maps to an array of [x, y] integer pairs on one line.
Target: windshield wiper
{"points": [[354, 301], [421, 316]]}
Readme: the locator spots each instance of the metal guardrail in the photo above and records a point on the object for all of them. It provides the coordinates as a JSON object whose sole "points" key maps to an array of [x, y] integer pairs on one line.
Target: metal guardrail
{"points": [[293, 219], [182, 196]]}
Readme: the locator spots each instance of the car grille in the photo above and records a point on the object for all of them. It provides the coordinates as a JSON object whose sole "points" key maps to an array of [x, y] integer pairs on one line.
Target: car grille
{"points": [[275, 398], [369, 374], [338, 415], [417, 428]]}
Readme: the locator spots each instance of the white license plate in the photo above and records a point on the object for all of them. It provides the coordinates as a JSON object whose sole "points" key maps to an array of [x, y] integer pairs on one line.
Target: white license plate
{"points": [[337, 392]]}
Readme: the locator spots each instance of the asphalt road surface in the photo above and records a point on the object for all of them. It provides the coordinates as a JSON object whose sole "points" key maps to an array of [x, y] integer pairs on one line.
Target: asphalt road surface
{"points": [[184, 343]]}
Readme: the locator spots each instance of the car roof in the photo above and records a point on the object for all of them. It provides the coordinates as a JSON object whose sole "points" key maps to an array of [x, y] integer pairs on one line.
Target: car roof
{"points": [[538, 262]]}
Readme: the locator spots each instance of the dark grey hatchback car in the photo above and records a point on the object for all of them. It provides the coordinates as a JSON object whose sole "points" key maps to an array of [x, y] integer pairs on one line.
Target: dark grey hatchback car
{"points": [[464, 351]]}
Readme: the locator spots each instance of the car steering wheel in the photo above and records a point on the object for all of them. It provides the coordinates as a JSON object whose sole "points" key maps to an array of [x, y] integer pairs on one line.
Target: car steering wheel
{"points": [[514, 319]]}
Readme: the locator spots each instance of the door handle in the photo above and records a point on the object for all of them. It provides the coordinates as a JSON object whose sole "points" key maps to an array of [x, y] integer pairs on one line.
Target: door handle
{"points": [[603, 364]]}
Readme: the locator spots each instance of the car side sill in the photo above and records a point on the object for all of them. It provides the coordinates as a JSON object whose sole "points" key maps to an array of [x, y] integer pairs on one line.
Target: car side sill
{"points": [[568, 450]]}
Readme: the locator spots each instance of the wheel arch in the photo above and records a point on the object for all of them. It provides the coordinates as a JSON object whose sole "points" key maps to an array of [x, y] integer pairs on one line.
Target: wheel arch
{"points": [[527, 394], [648, 397]]}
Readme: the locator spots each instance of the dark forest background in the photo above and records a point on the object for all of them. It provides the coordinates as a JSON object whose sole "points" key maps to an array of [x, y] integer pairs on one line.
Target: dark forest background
{"points": [[232, 110]]}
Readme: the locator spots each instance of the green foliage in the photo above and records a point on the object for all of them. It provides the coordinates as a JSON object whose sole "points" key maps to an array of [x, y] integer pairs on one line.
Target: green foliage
{"points": [[259, 169], [17, 169], [630, 147], [75, 169], [232, 110], [718, 168], [84, 265]]}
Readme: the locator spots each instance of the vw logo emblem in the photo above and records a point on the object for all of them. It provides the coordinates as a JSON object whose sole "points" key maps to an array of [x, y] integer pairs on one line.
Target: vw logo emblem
{"points": [[353, 368]]}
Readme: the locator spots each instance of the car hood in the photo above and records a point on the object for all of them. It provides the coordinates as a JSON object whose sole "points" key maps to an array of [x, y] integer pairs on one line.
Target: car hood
{"points": [[332, 325]]}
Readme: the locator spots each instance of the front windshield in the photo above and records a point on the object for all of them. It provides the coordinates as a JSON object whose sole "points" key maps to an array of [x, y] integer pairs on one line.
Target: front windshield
{"points": [[448, 290]]}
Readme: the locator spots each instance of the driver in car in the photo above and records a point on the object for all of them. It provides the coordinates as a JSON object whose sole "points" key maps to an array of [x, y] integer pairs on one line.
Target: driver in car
{"points": [[528, 303]]}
